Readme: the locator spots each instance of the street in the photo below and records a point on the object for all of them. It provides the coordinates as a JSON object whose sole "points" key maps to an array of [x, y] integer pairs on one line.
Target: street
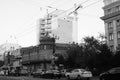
{"points": [[31, 78]]}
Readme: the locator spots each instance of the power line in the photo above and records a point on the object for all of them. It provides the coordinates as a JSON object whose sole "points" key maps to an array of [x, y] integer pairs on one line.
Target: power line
{"points": [[25, 34], [83, 2], [26, 30], [61, 14], [73, 7], [82, 8], [92, 4]]}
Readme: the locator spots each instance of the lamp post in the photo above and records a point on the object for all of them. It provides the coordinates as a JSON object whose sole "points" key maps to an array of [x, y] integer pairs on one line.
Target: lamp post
{"points": [[54, 49]]}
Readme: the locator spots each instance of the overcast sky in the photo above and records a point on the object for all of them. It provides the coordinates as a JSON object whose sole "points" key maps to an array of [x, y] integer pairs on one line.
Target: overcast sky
{"points": [[19, 18]]}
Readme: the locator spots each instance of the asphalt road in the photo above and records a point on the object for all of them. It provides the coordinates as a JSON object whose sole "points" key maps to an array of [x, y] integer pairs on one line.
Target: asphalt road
{"points": [[31, 78]]}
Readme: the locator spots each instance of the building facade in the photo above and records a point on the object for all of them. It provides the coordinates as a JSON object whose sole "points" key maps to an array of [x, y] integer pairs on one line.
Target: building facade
{"points": [[62, 27], [41, 56], [111, 20], [13, 58]]}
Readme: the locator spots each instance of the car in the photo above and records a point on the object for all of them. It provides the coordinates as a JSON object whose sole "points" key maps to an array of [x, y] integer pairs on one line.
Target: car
{"points": [[48, 74], [52, 74], [112, 74], [78, 74], [63, 72], [38, 73], [57, 74], [2, 73], [12, 73], [23, 72]]}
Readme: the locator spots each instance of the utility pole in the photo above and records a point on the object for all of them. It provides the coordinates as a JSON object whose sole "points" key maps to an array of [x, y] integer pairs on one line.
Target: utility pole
{"points": [[54, 49], [75, 22]]}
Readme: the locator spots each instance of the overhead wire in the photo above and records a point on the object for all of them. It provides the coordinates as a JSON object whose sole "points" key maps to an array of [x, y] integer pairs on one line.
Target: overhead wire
{"points": [[18, 34], [83, 2], [80, 4], [92, 4], [31, 28], [59, 15], [74, 7], [88, 6], [26, 33]]}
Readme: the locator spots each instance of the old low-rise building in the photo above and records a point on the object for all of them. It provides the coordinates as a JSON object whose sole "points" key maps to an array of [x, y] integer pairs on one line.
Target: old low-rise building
{"points": [[42, 56]]}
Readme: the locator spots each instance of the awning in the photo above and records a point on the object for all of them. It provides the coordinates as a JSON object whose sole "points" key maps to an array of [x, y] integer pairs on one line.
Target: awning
{"points": [[4, 67]]}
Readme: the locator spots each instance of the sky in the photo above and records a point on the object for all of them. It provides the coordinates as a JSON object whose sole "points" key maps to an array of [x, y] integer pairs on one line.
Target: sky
{"points": [[19, 18]]}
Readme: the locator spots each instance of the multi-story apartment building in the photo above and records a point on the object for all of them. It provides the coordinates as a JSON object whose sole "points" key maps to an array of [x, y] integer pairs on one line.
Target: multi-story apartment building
{"points": [[61, 27], [45, 26], [112, 23]]}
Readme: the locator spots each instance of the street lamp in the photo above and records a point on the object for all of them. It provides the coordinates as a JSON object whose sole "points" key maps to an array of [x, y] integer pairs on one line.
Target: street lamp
{"points": [[54, 49]]}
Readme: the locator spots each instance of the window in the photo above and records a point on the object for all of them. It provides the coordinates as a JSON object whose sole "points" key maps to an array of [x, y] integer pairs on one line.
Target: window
{"points": [[118, 48], [109, 11], [111, 48], [118, 22], [105, 12], [41, 46], [110, 36], [45, 47], [110, 25], [117, 8], [118, 34], [49, 47]]}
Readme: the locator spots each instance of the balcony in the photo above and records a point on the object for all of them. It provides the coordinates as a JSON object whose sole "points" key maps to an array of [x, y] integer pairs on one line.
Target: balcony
{"points": [[111, 15], [108, 2]]}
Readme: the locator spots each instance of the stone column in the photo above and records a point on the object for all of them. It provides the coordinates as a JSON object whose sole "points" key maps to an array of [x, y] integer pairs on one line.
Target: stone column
{"points": [[106, 33], [115, 34]]}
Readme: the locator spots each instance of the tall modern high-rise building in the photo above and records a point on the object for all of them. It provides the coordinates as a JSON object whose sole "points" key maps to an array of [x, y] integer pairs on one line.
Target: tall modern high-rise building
{"points": [[61, 28], [112, 23]]}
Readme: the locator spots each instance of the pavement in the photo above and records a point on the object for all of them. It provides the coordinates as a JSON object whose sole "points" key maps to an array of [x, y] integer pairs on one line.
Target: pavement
{"points": [[31, 78]]}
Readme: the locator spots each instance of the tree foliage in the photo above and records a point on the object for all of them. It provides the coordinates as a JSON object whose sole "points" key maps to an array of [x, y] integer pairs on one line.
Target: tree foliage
{"points": [[92, 54], [1, 63]]}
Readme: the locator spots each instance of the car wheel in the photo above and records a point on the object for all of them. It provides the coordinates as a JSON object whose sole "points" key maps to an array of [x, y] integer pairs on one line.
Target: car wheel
{"points": [[68, 77], [88, 78], [78, 77], [102, 79]]}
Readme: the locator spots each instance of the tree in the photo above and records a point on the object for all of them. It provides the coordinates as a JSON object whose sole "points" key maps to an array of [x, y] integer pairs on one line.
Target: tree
{"points": [[60, 59], [74, 53], [1, 63], [92, 46], [104, 58], [98, 52], [94, 54], [116, 59]]}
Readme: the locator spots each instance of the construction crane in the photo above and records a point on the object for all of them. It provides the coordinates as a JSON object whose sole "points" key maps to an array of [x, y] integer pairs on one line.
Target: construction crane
{"points": [[75, 22], [65, 14]]}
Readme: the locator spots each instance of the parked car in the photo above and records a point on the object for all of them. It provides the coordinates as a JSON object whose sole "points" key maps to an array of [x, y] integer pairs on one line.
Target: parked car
{"points": [[52, 74], [38, 73], [78, 74], [63, 72], [12, 73], [57, 74], [23, 72], [1, 72], [112, 74]]}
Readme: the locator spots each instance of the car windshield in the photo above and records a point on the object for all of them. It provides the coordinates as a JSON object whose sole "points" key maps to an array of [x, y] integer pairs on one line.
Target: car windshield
{"points": [[39, 70], [76, 70], [82, 70], [114, 70], [49, 71], [55, 70]]}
